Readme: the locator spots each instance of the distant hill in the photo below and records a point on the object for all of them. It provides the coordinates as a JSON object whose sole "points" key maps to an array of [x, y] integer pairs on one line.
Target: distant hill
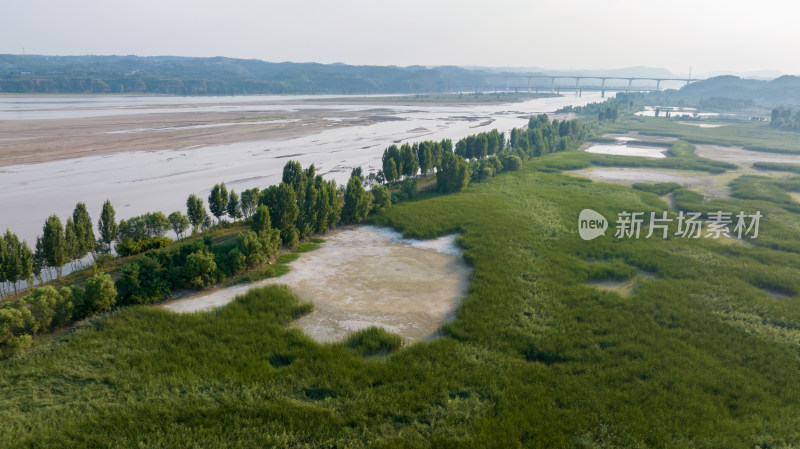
{"points": [[785, 89], [228, 76], [216, 76]]}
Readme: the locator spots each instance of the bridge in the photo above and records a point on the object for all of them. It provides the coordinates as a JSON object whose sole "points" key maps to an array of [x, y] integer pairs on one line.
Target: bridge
{"points": [[578, 88]]}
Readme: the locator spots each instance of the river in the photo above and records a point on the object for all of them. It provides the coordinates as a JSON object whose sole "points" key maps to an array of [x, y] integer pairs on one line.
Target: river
{"points": [[142, 181]]}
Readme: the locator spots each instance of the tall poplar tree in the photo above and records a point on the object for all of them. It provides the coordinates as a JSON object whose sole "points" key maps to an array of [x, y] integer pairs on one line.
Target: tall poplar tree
{"points": [[53, 244], [107, 225]]}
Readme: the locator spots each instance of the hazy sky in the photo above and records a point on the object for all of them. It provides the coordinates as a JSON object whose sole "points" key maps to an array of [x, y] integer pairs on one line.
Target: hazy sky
{"points": [[706, 35]]}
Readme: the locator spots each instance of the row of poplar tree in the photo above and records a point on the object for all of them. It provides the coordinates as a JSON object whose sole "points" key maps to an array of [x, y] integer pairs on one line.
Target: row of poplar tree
{"points": [[57, 245], [302, 204], [478, 156]]}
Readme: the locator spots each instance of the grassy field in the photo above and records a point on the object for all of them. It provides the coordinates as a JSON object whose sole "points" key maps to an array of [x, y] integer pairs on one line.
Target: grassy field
{"points": [[704, 352], [682, 157], [757, 136]]}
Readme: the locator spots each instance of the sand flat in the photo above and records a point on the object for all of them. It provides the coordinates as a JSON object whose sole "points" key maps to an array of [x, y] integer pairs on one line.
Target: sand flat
{"points": [[366, 276]]}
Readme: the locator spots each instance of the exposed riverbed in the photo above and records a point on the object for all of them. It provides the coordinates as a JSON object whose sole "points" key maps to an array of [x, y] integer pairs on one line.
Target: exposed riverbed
{"points": [[366, 276], [150, 153]]}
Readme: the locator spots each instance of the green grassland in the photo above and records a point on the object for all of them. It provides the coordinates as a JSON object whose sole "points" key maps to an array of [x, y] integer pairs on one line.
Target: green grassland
{"points": [[682, 157], [704, 353], [756, 136]]}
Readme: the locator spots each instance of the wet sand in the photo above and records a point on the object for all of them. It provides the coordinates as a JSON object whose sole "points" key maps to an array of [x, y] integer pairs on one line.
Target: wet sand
{"points": [[702, 125], [629, 176], [623, 149], [33, 141], [634, 135], [366, 276]]}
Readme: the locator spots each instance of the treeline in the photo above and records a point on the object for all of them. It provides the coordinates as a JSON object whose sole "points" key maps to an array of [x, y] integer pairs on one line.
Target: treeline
{"points": [[301, 205], [214, 76], [46, 308], [478, 156], [607, 111], [785, 119], [57, 246]]}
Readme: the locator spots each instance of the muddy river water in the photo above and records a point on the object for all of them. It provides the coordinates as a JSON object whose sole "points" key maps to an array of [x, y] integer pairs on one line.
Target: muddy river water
{"points": [[163, 177]]}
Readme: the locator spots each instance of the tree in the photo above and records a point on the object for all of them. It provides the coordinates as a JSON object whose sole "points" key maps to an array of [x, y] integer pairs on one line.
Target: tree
{"points": [[323, 206], [234, 206], [295, 176], [512, 163], [250, 200], [55, 252], [261, 221], [196, 211], [381, 199], [289, 237], [100, 294], [17, 259], [425, 156], [145, 226], [357, 172], [307, 220], [39, 261], [107, 225], [283, 206], [335, 203], [409, 188], [201, 269], [311, 172], [218, 201], [390, 171], [391, 156], [84, 231], [453, 175], [71, 242], [447, 146], [207, 223], [249, 245], [410, 165], [179, 223], [481, 148], [156, 224], [356, 202], [2, 265]]}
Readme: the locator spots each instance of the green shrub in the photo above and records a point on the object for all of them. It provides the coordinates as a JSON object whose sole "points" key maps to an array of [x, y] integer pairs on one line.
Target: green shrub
{"points": [[381, 199], [512, 163], [129, 247], [101, 294], [374, 341]]}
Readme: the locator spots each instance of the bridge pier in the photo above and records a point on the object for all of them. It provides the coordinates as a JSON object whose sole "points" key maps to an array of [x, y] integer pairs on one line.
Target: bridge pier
{"points": [[630, 81], [577, 86], [552, 84], [658, 85]]}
